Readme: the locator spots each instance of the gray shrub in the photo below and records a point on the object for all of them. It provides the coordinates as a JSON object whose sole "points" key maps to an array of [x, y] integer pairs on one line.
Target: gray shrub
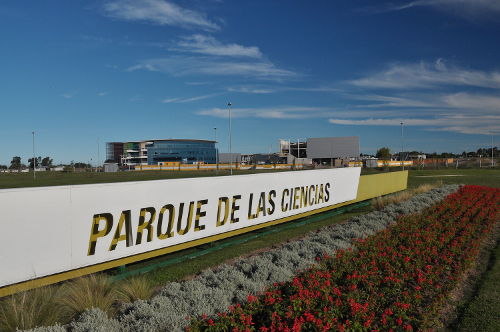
{"points": [[215, 290]]}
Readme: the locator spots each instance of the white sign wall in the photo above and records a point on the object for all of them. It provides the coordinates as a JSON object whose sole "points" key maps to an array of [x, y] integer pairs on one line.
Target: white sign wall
{"points": [[50, 230]]}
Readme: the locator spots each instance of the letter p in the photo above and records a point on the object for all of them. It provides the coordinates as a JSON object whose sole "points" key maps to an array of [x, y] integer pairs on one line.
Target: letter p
{"points": [[95, 233]]}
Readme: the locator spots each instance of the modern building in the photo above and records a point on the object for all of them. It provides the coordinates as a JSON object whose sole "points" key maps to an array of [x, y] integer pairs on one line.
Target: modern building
{"points": [[160, 151], [225, 158], [322, 150]]}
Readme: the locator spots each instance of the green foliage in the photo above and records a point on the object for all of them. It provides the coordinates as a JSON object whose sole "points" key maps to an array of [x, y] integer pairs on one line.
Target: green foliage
{"points": [[383, 153], [15, 163], [46, 161], [135, 288], [38, 161], [92, 291], [28, 309]]}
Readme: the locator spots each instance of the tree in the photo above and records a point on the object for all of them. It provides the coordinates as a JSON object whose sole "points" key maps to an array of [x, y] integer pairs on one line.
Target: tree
{"points": [[81, 165], [3, 167], [38, 161], [46, 161], [383, 153], [15, 163]]}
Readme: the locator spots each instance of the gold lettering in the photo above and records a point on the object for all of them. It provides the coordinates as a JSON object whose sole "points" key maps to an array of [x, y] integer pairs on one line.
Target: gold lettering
{"points": [[146, 225], [262, 205], [185, 230], [284, 208], [124, 219], [235, 208], [95, 233], [224, 200], [271, 202], [171, 217], [199, 214]]}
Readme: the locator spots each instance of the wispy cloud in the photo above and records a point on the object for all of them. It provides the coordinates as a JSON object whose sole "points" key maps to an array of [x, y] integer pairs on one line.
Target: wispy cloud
{"points": [[472, 10], [102, 94], [170, 100], [428, 75], [275, 89], [158, 12], [281, 112], [210, 46], [193, 66], [70, 94], [474, 124], [252, 90], [435, 96], [187, 100]]}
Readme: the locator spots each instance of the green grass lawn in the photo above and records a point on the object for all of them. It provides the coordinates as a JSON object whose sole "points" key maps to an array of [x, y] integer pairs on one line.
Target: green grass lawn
{"points": [[484, 177], [43, 179], [482, 311]]}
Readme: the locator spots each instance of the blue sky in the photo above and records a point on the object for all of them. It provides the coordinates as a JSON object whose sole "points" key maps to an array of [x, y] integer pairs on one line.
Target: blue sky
{"points": [[78, 71]]}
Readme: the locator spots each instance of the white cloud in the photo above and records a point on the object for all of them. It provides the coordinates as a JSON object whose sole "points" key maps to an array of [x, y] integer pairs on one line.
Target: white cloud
{"points": [[70, 94], [465, 124], [428, 75], [398, 101], [199, 98], [210, 46], [251, 90], [281, 112], [478, 102], [193, 66], [158, 12], [473, 10], [171, 100], [102, 94]]}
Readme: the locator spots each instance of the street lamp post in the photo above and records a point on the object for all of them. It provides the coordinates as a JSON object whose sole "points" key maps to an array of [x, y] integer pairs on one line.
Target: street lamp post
{"points": [[491, 149], [98, 156], [402, 148], [230, 143], [34, 160], [216, 159]]}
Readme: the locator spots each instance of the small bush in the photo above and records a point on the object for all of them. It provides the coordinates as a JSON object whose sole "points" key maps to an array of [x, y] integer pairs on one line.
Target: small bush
{"points": [[380, 202], [135, 288], [29, 309], [92, 291]]}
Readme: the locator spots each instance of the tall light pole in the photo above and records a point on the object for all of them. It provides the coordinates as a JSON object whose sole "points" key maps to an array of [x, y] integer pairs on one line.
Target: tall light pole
{"points": [[402, 148], [230, 143], [216, 159], [34, 160], [98, 156], [491, 149]]}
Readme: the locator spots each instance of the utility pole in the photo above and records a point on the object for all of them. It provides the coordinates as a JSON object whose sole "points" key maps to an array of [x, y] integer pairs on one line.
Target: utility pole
{"points": [[98, 156], [230, 143], [34, 159], [402, 148], [216, 158], [491, 149]]}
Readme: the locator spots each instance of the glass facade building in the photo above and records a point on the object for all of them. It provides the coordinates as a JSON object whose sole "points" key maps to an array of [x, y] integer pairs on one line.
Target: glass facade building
{"points": [[184, 151], [154, 152]]}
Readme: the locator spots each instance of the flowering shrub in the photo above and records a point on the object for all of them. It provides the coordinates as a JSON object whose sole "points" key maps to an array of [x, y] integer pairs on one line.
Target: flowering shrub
{"points": [[395, 281], [214, 291]]}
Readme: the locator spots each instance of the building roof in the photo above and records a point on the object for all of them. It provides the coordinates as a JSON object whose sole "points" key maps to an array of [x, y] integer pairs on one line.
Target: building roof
{"points": [[172, 139]]}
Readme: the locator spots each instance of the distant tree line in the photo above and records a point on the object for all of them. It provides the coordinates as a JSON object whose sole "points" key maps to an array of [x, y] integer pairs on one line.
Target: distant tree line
{"points": [[16, 163]]}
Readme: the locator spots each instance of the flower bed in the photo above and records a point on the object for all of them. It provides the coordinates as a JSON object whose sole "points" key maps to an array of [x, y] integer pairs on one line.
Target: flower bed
{"points": [[396, 281], [215, 290]]}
